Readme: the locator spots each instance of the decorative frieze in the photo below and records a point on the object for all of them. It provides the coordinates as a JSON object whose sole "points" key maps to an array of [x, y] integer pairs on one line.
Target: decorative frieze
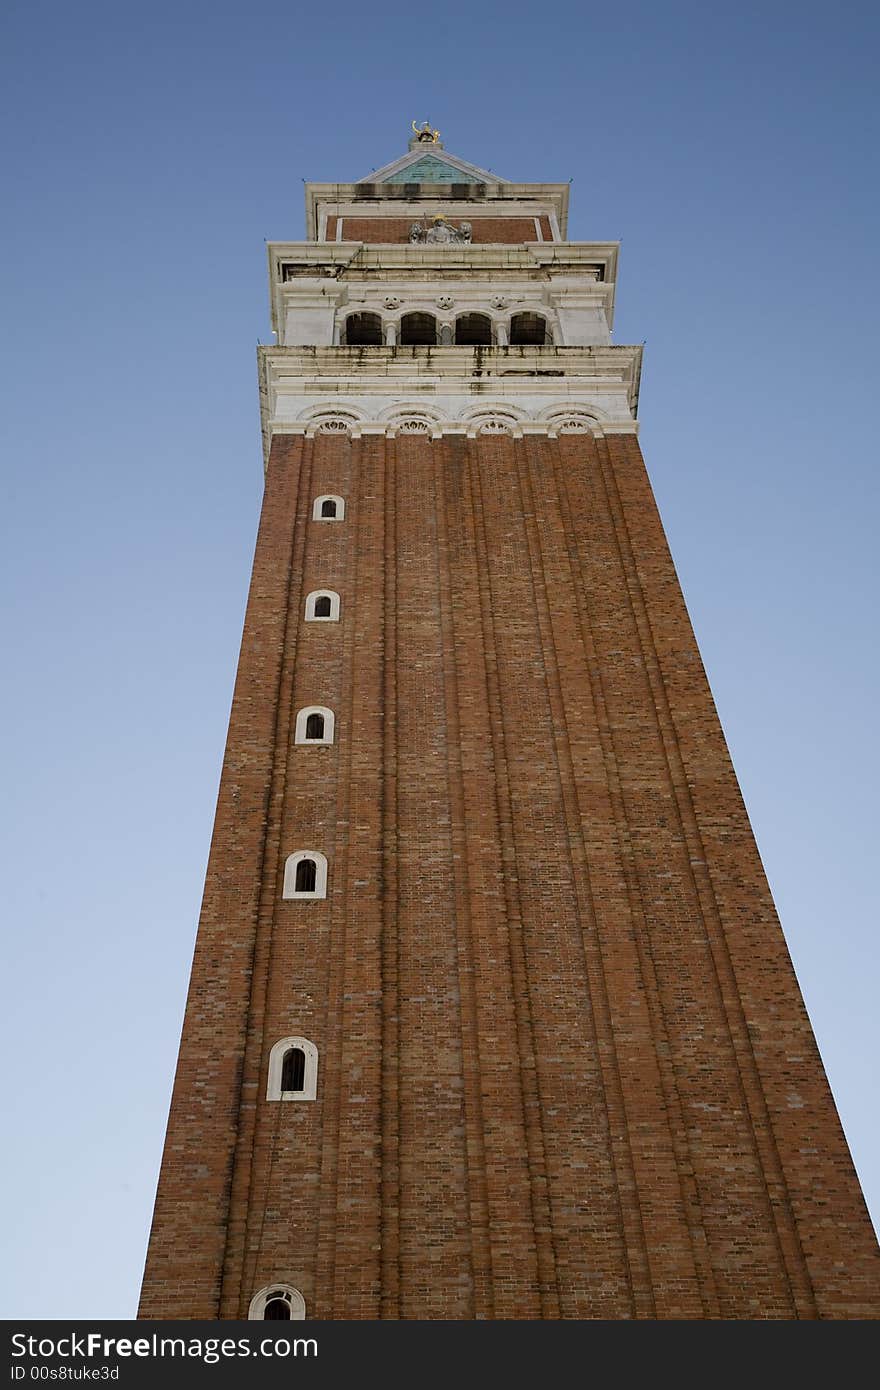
{"points": [[491, 422], [434, 391]]}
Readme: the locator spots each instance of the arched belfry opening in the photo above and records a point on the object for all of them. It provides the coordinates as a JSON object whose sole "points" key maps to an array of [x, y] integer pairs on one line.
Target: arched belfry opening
{"points": [[363, 330], [529, 330], [418, 330], [473, 330]]}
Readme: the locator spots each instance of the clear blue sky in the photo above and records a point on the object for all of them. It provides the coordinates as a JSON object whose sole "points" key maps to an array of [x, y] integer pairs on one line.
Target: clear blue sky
{"points": [[152, 148]]}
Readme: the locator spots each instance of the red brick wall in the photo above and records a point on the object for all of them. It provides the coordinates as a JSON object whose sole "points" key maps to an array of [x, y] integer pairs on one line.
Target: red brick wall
{"points": [[388, 230], [565, 1070]]}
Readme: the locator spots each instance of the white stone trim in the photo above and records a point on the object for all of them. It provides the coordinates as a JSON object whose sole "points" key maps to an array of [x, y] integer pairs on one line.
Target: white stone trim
{"points": [[494, 424], [276, 1067], [405, 417], [572, 419], [414, 424], [333, 424], [328, 497], [343, 417], [288, 890], [311, 600], [333, 275], [438, 429], [314, 414], [493, 417], [371, 392], [290, 1295], [390, 200], [591, 412], [479, 301], [302, 717]]}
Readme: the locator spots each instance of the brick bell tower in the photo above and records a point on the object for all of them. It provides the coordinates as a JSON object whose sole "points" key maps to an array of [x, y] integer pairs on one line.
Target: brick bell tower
{"points": [[491, 1015]]}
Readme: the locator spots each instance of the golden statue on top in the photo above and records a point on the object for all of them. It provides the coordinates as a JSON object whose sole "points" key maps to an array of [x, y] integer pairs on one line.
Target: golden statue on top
{"points": [[424, 134]]}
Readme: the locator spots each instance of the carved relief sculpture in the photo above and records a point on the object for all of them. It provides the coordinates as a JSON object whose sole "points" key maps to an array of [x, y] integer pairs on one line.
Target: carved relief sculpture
{"points": [[441, 232]]}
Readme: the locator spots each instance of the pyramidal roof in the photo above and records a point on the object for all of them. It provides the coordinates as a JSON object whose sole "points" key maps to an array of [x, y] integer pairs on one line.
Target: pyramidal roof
{"points": [[427, 162]]}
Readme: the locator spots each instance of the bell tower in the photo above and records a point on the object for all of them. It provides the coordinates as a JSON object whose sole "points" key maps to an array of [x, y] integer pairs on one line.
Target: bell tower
{"points": [[490, 1015]]}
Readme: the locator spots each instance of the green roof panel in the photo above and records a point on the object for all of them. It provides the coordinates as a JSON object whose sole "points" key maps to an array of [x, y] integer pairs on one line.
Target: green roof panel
{"points": [[428, 169]]}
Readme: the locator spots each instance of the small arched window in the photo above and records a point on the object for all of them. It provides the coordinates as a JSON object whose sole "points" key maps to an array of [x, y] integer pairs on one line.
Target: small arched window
{"points": [[328, 507], [363, 330], [473, 330], [293, 1070], [305, 875], [322, 606], [418, 329], [314, 724], [528, 330], [267, 1305]]}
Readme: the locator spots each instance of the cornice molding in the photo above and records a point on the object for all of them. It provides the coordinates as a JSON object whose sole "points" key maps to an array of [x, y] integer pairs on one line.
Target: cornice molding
{"points": [[448, 390], [317, 267], [489, 422], [450, 362], [369, 194]]}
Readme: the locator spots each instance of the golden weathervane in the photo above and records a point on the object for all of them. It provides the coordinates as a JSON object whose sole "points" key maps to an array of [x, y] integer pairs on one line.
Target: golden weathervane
{"points": [[424, 132]]}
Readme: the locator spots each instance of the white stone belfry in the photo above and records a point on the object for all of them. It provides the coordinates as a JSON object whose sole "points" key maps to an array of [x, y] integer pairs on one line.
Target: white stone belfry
{"points": [[434, 296]]}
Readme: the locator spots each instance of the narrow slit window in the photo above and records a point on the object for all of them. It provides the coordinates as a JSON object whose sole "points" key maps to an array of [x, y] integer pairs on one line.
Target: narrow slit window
{"points": [[293, 1070], [306, 876], [315, 726]]}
